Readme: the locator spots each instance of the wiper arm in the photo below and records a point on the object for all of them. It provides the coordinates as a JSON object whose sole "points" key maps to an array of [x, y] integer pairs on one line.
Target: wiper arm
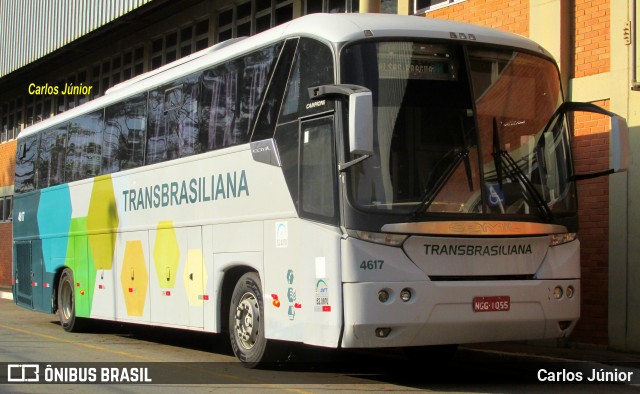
{"points": [[503, 158], [459, 157]]}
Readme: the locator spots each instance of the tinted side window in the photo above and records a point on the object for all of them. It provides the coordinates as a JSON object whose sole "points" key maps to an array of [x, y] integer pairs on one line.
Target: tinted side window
{"points": [[84, 147], [288, 147], [125, 135], [268, 115], [313, 66], [174, 121], [317, 170], [51, 160], [232, 95], [27, 154], [6, 209]]}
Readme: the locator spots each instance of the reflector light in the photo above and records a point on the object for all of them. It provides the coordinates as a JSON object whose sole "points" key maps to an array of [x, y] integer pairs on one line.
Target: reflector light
{"points": [[382, 332], [570, 292], [563, 325]]}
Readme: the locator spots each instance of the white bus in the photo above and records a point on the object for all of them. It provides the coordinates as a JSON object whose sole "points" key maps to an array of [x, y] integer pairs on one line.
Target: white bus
{"points": [[344, 180]]}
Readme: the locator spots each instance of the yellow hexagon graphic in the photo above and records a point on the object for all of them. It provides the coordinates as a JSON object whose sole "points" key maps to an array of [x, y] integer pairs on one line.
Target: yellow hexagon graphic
{"points": [[134, 278], [195, 277], [102, 222], [166, 255]]}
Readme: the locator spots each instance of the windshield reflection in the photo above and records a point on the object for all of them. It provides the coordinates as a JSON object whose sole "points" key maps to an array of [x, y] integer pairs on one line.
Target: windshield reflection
{"points": [[434, 131]]}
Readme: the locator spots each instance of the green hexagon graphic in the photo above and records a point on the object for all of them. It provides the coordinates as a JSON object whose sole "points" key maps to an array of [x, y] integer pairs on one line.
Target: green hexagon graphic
{"points": [[134, 278], [195, 277], [166, 255], [102, 222]]}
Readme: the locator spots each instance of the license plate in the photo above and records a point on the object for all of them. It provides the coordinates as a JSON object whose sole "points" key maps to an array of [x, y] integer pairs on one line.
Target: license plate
{"points": [[491, 304]]}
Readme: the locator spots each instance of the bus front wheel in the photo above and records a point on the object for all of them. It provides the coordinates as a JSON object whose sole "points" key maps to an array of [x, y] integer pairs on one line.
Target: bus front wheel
{"points": [[66, 303], [246, 321]]}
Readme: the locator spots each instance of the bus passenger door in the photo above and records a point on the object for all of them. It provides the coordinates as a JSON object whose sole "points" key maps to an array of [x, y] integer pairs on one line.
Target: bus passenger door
{"points": [[36, 274], [23, 292], [176, 279]]}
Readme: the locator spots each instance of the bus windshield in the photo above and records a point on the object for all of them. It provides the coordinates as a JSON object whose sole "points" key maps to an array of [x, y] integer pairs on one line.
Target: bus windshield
{"points": [[460, 130]]}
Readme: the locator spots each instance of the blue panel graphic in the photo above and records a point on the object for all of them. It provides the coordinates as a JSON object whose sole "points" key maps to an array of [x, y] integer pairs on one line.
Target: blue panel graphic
{"points": [[54, 219]]}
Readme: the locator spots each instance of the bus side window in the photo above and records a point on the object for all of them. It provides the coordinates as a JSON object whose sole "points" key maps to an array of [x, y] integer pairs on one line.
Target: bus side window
{"points": [[268, 116], [25, 179], [174, 121], [315, 61], [124, 134], [232, 95], [157, 147], [317, 170], [52, 156], [84, 147], [313, 67]]}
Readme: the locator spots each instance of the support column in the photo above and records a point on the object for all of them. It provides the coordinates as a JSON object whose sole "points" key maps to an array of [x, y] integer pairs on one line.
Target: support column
{"points": [[369, 6], [624, 205], [404, 7]]}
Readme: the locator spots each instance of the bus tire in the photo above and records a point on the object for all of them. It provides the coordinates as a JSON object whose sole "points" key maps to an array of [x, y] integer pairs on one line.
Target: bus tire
{"points": [[66, 303], [246, 321]]}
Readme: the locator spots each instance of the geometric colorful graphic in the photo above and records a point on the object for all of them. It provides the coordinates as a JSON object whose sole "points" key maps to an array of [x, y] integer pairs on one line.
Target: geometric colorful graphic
{"points": [[166, 255], [54, 217], [195, 277], [102, 222], [134, 278]]}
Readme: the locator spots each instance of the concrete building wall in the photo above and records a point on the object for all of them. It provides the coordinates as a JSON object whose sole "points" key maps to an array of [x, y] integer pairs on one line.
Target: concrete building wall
{"points": [[7, 169]]}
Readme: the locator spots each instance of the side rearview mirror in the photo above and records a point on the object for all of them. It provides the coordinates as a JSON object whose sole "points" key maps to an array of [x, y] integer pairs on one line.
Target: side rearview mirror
{"points": [[361, 123], [360, 114], [619, 144]]}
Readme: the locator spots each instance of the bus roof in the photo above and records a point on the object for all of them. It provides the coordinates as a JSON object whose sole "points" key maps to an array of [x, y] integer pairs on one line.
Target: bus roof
{"points": [[343, 28]]}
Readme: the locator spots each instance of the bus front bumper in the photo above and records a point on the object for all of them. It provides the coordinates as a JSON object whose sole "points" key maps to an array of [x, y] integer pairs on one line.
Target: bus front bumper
{"points": [[443, 312]]}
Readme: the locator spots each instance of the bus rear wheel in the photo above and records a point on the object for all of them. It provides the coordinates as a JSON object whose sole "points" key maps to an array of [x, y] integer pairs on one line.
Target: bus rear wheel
{"points": [[66, 303], [246, 321]]}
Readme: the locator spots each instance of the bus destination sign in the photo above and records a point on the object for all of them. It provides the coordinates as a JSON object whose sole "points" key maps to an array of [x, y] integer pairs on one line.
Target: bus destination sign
{"points": [[416, 68]]}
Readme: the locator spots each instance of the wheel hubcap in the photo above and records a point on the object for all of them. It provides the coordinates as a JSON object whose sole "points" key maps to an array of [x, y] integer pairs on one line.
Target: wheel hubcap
{"points": [[247, 320], [66, 300]]}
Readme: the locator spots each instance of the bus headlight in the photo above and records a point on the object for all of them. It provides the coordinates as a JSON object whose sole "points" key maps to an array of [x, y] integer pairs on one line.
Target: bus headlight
{"points": [[559, 239], [378, 238]]}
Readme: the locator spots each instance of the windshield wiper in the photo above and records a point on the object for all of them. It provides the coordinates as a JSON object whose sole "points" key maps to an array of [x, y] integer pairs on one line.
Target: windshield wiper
{"points": [[460, 155], [504, 161]]}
